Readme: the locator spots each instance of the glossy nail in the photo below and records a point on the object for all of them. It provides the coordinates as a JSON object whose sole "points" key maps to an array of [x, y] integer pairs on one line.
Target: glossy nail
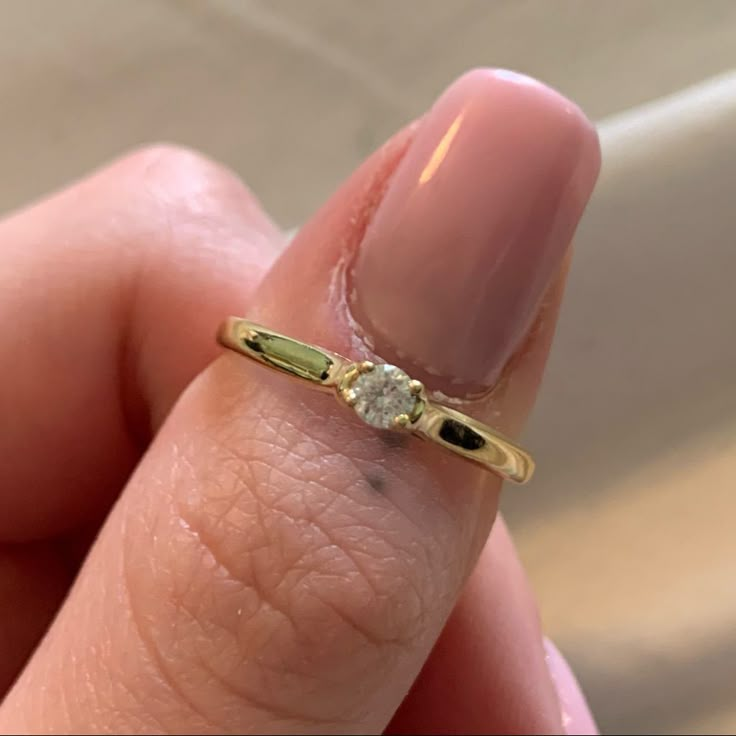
{"points": [[473, 228]]}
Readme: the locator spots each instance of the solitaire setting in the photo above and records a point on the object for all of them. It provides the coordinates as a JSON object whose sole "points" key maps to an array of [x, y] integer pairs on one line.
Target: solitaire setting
{"points": [[382, 395]]}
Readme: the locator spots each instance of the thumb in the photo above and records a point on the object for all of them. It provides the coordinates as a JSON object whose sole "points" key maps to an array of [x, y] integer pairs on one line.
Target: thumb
{"points": [[275, 565]]}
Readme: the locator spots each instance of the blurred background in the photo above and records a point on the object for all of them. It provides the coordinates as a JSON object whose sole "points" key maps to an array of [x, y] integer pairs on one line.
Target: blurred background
{"points": [[629, 537]]}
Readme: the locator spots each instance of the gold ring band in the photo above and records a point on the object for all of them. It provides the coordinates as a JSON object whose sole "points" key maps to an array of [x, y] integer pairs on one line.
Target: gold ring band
{"points": [[382, 395]]}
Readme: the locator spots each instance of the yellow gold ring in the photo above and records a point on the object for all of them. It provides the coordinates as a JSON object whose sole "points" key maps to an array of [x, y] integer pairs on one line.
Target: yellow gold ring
{"points": [[382, 395]]}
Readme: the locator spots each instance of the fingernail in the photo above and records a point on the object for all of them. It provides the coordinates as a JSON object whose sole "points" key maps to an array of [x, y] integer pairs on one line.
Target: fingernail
{"points": [[473, 227], [576, 716]]}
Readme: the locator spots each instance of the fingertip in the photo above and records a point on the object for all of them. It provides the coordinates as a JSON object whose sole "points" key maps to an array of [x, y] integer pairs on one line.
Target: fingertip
{"points": [[577, 719]]}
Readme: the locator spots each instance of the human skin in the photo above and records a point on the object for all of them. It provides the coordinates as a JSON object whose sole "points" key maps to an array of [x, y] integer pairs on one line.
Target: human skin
{"points": [[267, 563]]}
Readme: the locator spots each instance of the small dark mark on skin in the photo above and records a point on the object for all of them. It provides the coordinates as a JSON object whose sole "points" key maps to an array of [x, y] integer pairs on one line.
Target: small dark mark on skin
{"points": [[375, 481]]}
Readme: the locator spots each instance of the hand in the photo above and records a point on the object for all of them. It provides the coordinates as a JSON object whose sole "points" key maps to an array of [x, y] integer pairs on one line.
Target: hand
{"points": [[268, 563]]}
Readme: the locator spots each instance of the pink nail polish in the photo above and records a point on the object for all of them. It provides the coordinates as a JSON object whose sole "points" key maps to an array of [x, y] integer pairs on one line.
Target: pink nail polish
{"points": [[576, 717], [474, 227]]}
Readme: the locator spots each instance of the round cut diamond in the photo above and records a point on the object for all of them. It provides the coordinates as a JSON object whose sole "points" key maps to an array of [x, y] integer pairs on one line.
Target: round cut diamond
{"points": [[383, 394]]}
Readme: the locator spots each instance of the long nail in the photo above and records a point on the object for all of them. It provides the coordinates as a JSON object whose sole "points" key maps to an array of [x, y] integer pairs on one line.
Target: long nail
{"points": [[473, 228], [576, 716]]}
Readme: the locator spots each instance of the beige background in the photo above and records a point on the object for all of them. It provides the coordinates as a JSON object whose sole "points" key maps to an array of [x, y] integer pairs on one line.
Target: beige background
{"points": [[292, 93], [628, 536]]}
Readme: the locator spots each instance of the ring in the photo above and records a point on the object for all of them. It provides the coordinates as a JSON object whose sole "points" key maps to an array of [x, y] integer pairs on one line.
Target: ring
{"points": [[382, 395]]}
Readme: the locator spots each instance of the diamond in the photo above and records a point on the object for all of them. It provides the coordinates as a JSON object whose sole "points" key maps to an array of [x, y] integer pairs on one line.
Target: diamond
{"points": [[382, 394]]}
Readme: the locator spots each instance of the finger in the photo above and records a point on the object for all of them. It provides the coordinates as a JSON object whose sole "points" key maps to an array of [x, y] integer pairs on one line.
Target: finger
{"points": [[71, 435], [255, 577], [110, 289], [576, 716], [485, 671]]}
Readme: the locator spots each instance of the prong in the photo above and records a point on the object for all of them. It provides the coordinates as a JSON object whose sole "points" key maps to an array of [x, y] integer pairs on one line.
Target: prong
{"points": [[366, 366], [401, 421], [417, 411], [416, 387], [349, 396]]}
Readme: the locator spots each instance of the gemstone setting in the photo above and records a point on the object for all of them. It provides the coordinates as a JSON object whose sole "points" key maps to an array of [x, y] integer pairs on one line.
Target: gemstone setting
{"points": [[383, 395]]}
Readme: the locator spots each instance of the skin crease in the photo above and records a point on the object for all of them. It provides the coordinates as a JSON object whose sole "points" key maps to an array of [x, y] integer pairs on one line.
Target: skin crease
{"points": [[248, 562]]}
